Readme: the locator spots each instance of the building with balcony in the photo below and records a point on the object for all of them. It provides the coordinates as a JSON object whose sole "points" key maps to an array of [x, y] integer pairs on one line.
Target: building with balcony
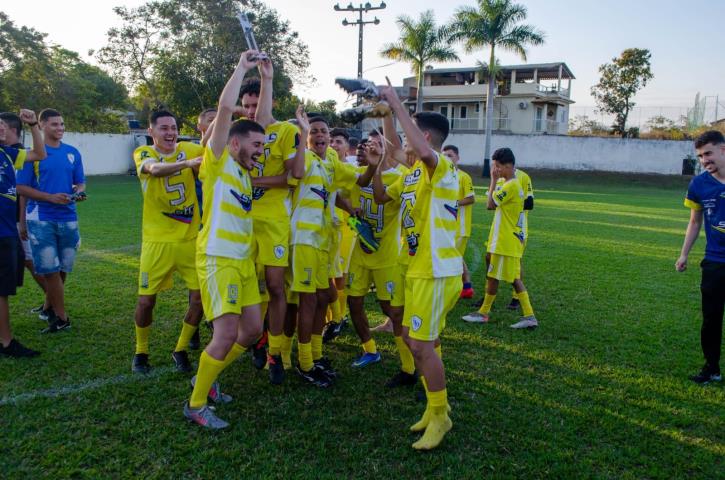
{"points": [[529, 99]]}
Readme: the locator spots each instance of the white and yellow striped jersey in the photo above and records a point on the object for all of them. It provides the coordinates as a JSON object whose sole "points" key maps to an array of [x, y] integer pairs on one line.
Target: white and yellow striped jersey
{"points": [[227, 230]]}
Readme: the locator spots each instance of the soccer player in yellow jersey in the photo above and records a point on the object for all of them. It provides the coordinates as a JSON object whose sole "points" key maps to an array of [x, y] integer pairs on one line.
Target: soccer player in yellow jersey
{"points": [[170, 226], [224, 249], [283, 149], [433, 280], [528, 189], [466, 199], [324, 173], [366, 266], [505, 240]]}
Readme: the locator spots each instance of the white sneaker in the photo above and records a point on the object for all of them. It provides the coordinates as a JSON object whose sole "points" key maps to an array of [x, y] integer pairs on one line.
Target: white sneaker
{"points": [[526, 322], [475, 317]]}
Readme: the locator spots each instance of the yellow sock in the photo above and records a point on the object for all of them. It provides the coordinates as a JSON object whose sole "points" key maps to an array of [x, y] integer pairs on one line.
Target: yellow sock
{"points": [[233, 354], [304, 352], [526, 309], [286, 351], [335, 312], [185, 336], [439, 352], [439, 422], [209, 369], [142, 339], [342, 300], [316, 347], [406, 358], [487, 304], [370, 347], [515, 295], [275, 344]]}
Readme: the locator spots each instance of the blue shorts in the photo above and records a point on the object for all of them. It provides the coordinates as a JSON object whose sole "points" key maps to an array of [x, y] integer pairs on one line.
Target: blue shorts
{"points": [[54, 245]]}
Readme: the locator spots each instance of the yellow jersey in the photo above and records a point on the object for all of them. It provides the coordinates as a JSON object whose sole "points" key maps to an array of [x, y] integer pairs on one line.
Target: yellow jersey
{"points": [[385, 220], [311, 214], [170, 212], [429, 206], [281, 139], [528, 189], [465, 212], [506, 236]]}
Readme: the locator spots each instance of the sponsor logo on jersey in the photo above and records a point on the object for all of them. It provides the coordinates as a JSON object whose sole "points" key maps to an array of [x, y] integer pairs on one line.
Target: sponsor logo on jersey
{"points": [[416, 322], [232, 294], [258, 192], [279, 251], [184, 215], [412, 239], [453, 210], [244, 200], [322, 193], [71, 158]]}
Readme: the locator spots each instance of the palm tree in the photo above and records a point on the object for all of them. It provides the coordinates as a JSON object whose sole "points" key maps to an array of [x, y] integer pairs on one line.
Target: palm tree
{"points": [[493, 24], [420, 42]]}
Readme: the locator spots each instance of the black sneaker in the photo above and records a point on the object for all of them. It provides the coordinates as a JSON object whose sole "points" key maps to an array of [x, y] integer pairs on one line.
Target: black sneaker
{"points": [[37, 310], [276, 369], [325, 365], [402, 379], [314, 377], [16, 349], [477, 303], [332, 331], [514, 305], [141, 363], [195, 342], [45, 315], [259, 353], [56, 325], [706, 375], [181, 359]]}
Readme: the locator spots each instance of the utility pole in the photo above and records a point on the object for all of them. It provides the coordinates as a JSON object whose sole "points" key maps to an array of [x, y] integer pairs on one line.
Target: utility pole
{"points": [[360, 23]]}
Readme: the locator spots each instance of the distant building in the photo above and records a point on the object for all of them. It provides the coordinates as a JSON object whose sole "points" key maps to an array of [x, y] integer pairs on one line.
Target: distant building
{"points": [[530, 99]]}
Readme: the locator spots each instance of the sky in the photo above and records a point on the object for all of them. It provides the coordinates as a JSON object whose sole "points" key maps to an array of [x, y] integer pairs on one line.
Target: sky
{"points": [[685, 39]]}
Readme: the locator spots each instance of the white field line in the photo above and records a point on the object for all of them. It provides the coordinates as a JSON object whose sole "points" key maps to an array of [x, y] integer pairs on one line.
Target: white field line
{"points": [[81, 387]]}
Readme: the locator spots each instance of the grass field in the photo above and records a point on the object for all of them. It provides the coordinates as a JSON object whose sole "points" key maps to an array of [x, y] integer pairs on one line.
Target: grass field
{"points": [[600, 390]]}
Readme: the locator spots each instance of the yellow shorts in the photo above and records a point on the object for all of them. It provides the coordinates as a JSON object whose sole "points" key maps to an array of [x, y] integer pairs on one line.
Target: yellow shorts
{"points": [[272, 237], [428, 301], [504, 268], [359, 277], [461, 244], [310, 267], [335, 257], [159, 260], [398, 298], [227, 285]]}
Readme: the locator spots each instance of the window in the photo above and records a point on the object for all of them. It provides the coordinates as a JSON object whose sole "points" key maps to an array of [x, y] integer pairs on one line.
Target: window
{"points": [[444, 110], [464, 111]]}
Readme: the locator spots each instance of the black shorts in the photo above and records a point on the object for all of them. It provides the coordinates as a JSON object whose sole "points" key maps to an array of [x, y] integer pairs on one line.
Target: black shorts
{"points": [[11, 265]]}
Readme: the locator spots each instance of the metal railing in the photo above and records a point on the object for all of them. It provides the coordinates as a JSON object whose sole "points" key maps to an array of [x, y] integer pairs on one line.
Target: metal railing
{"points": [[499, 123], [549, 126]]}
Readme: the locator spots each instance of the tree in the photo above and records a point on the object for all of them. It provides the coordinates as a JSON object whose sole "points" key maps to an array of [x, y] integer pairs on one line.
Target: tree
{"points": [[36, 76], [494, 24], [179, 53], [420, 43], [582, 125], [618, 84]]}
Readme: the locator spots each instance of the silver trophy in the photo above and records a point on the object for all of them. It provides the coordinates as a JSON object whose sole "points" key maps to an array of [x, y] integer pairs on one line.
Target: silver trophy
{"points": [[249, 36]]}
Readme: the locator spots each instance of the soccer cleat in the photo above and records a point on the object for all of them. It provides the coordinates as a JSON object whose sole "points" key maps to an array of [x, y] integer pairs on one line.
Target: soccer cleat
{"points": [[204, 416], [331, 332], [326, 366], [475, 317], [467, 293], [365, 235], [259, 352], [45, 315], [276, 369], [402, 379], [514, 305], [366, 359], [37, 310], [181, 360], [315, 376], [215, 394], [16, 349], [195, 342], [526, 322], [706, 375], [141, 363], [56, 325]]}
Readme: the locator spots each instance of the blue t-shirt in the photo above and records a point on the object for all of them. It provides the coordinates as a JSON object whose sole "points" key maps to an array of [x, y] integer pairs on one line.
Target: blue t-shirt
{"points": [[706, 193], [62, 169], [10, 160]]}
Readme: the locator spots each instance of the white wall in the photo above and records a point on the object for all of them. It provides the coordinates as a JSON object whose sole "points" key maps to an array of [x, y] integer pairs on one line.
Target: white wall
{"points": [[580, 153], [103, 153]]}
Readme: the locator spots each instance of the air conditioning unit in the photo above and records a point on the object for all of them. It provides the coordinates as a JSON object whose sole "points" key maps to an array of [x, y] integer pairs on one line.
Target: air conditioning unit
{"points": [[523, 105]]}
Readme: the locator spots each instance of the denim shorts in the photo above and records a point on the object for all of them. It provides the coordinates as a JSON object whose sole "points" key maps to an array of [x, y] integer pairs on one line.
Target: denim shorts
{"points": [[54, 245]]}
